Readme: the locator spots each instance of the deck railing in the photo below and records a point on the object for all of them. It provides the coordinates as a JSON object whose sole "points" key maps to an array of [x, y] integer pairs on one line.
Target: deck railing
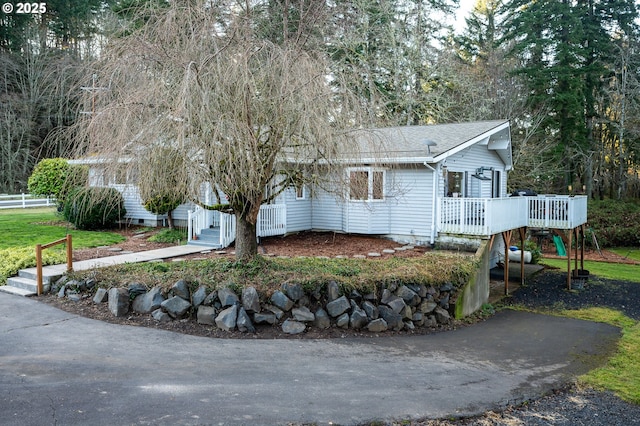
{"points": [[489, 216], [271, 221]]}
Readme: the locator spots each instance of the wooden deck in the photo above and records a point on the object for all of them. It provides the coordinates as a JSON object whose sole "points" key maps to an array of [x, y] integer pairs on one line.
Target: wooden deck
{"points": [[484, 217]]}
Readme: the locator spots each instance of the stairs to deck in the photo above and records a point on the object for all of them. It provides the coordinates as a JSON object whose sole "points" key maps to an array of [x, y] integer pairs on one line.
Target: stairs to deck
{"points": [[209, 237]]}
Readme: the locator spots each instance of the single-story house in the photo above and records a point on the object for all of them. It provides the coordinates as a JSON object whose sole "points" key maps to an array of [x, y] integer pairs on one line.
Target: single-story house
{"points": [[412, 184]]}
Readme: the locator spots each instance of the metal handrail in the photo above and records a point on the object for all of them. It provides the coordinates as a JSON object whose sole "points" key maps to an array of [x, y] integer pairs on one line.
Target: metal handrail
{"points": [[41, 247]]}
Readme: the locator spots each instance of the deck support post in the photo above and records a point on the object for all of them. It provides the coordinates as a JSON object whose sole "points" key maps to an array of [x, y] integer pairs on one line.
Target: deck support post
{"points": [[506, 236], [569, 259], [523, 233]]}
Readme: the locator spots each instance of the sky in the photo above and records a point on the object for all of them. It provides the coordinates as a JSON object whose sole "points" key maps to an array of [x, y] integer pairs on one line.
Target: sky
{"points": [[463, 12]]}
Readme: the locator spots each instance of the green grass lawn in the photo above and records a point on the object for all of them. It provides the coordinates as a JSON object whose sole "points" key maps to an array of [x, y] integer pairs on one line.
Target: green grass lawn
{"points": [[628, 252], [23, 229], [612, 271], [28, 227]]}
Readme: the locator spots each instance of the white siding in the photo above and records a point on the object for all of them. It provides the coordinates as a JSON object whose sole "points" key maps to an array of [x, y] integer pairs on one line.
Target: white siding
{"points": [[298, 211], [133, 204], [412, 208], [471, 159], [326, 211]]}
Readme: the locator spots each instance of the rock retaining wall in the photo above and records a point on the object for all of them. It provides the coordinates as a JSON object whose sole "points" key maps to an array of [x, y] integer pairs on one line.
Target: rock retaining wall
{"points": [[393, 307]]}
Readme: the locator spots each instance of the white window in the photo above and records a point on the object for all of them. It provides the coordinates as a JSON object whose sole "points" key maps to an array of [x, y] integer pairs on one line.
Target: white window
{"points": [[366, 184], [301, 192]]}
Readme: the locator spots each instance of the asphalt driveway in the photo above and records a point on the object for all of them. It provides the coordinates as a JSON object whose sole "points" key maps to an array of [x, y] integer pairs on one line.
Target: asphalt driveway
{"points": [[57, 368]]}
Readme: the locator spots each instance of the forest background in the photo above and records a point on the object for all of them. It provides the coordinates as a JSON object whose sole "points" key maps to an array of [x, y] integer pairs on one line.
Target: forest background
{"points": [[565, 73]]}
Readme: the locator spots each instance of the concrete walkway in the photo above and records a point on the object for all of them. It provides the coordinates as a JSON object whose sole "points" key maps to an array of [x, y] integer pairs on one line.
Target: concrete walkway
{"points": [[58, 368], [119, 259]]}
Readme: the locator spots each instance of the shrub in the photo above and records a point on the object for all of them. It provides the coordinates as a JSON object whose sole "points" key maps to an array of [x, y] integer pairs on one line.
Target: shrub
{"points": [[14, 259], [169, 236], [615, 223], [48, 177], [94, 208]]}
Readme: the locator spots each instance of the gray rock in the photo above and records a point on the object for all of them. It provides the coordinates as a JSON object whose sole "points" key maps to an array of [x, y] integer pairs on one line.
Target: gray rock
{"points": [[409, 326], [279, 313], [293, 327], [160, 316], [407, 312], [73, 296], [206, 315], [377, 325], [386, 296], [119, 301], [322, 319], [227, 297], [250, 299], [148, 302], [175, 306], [211, 298], [446, 287], [442, 316], [294, 292], [60, 282], [338, 306], [136, 289], [444, 301], [333, 291], [409, 296], [303, 314], [63, 291], [181, 289], [281, 300], [431, 321], [355, 296], [397, 304], [226, 320], [343, 321], [371, 310], [393, 319], [358, 318], [101, 296], [418, 318], [243, 322], [264, 318], [427, 307], [198, 297]]}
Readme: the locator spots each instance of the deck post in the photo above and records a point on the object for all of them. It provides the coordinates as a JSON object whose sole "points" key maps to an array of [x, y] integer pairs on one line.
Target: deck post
{"points": [[69, 254], [523, 232], [506, 236], [39, 268], [569, 260]]}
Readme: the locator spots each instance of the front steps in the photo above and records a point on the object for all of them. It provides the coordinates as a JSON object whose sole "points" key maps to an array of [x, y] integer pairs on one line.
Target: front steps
{"points": [[25, 283], [208, 237]]}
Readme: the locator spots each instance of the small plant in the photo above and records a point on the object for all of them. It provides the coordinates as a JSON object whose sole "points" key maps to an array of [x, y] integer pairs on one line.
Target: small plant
{"points": [[14, 259], [536, 253], [169, 236]]}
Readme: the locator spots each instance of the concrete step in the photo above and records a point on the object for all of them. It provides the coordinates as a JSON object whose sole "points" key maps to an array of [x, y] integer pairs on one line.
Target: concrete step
{"points": [[17, 291], [205, 243], [30, 273], [27, 284]]}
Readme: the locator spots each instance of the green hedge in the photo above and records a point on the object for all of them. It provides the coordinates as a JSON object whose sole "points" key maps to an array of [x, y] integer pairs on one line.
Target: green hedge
{"points": [[615, 223], [94, 208]]}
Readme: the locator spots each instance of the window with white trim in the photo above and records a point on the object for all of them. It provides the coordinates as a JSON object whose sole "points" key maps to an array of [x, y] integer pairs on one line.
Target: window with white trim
{"points": [[366, 184], [301, 192]]}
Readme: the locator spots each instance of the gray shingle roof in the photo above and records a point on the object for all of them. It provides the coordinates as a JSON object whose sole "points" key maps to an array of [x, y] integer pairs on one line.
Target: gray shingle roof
{"points": [[410, 141]]}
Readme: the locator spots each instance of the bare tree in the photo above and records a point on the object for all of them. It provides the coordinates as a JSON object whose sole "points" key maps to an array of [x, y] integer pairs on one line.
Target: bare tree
{"points": [[243, 112]]}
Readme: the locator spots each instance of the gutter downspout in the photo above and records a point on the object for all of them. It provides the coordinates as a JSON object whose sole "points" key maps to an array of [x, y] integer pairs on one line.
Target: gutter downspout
{"points": [[434, 198]]}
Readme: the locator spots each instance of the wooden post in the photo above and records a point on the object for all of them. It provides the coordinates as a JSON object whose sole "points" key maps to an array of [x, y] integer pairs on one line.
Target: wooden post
{"points": [[506, 236], [523, 232], [69, 253], [569, 260], [39, 268]]}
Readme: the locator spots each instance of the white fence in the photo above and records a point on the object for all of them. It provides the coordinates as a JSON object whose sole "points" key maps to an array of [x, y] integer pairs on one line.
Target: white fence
{"points": [[489, 216], [23, 201]]}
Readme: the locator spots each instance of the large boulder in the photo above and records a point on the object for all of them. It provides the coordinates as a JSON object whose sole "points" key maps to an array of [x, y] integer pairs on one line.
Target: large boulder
{"points": [[176, 306], [181, 289], [148, 302], [250, 299], [293, 327], [227, 319], [198, 296], [338, 306], [206, 315], [303, 314], [294, 292], [243, 322], [227, 297], [119, 301], [281, 300]]}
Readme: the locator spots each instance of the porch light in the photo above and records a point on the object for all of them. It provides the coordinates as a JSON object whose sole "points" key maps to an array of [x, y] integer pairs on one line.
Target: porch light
{"points": [[479, 174]]}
